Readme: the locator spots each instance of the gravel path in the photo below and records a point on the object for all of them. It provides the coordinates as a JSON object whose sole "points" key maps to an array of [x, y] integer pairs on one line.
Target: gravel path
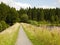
{"points": [[22, 38]]}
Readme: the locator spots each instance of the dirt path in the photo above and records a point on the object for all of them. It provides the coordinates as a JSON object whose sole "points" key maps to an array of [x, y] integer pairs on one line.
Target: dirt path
{"points": [[22, 38]]}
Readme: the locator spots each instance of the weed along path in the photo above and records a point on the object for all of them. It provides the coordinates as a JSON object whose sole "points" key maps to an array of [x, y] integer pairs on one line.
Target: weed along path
{"points": [[22, 38]]}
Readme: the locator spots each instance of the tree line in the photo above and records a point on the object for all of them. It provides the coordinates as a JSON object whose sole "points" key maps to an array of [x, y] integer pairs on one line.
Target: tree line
{"points": [[11, 15], [40, 14]]}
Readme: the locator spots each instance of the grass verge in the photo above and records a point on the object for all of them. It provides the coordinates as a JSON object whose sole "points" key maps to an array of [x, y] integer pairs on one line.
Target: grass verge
{"points": [[42, 35], [8, 36]]}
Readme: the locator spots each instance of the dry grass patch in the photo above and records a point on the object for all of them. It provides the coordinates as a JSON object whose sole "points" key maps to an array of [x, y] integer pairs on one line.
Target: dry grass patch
{"points": [[42, 35], [8, 36]]}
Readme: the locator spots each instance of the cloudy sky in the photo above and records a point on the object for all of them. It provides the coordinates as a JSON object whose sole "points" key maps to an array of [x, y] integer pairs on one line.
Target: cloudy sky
{"points": [[31, 3]]}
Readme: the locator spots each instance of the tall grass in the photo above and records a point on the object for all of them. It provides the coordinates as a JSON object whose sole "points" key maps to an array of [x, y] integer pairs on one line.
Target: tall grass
{"points": [[42, 35], [8, 36]]}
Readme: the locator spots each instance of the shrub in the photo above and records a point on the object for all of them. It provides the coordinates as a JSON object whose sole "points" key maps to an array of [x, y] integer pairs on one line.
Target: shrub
{"points": [[24, 18], [3, 25], [33, 22]]}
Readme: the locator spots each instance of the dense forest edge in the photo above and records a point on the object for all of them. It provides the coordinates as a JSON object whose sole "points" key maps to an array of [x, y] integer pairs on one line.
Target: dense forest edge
{"points": [[35, 16]]}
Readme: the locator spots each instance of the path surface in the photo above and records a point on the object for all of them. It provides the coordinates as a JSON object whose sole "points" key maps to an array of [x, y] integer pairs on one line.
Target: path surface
{"points": [[22, 38]]}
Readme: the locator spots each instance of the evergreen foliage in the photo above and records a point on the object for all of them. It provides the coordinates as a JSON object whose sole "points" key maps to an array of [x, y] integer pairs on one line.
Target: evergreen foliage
{"points": [[11, 15]]}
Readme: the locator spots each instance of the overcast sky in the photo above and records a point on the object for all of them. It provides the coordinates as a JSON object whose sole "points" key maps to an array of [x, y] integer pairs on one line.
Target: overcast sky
{"points": [[31, 3]]}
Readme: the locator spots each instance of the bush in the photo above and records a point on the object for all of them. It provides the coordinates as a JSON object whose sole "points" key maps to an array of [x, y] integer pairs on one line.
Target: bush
{"points": [[3, 25], [24, 18], [33, 22]]}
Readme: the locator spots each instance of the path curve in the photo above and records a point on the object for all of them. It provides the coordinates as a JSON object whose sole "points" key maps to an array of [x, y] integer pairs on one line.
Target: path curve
{"points": [[22, 38]]}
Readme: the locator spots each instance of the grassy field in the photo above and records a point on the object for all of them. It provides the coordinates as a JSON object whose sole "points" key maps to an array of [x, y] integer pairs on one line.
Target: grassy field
{"points": [[42, 35], [8, 36]]}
